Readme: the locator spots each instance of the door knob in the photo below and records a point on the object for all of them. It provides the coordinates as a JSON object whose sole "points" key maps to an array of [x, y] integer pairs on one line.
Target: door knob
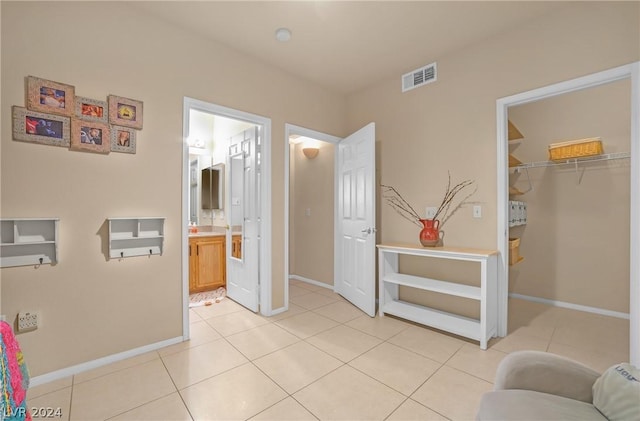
{"points": [[368, 230]]}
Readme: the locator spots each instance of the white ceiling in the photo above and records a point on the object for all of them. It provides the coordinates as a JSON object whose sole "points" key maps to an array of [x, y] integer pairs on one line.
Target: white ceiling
{"points": [[346, 46]]}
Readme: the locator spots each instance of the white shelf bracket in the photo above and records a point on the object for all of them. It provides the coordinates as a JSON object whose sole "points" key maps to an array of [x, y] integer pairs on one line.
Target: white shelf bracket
{"points": [[526, 170], [579, 173]]}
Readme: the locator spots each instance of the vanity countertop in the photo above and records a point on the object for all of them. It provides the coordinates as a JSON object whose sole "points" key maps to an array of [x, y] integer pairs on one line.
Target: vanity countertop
{"points": [[210, 234], [206, 234]]}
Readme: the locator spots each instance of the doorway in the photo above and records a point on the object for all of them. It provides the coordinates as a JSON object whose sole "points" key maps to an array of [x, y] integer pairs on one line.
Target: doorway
{"points": [[632, 72], [230, 122], [311, 205], [354, 215]]}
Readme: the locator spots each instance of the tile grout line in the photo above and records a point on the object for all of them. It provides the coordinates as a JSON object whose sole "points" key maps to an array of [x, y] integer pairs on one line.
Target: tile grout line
{"points": [[74, 382], [368, 375], [176, 387]]}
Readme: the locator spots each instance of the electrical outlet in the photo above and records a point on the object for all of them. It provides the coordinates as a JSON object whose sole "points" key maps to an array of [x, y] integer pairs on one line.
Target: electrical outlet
{"points": [[477, 211], [27, 321], [431, 212]]}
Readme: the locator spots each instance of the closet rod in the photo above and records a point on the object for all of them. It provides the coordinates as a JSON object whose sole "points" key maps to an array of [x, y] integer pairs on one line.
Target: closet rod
{"points": [[603, 157]]}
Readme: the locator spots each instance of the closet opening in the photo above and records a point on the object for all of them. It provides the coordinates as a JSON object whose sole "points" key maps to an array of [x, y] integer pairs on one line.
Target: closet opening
{"points": [[310, 206], [567, 225]]}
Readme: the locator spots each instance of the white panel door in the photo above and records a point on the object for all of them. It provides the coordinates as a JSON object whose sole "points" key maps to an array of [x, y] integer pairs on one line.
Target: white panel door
{"points": [[243, 213], [355, 230]]}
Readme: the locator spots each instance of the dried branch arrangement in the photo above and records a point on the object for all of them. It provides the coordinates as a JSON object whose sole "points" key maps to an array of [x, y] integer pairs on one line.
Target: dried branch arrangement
{"points": [[397, 202], [445, 210]]}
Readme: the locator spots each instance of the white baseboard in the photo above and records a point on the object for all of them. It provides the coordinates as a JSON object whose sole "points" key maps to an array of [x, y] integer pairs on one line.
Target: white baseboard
{"points": [[90, 365], [571, 306], [279, 310], [302, 279], [311, 281]]}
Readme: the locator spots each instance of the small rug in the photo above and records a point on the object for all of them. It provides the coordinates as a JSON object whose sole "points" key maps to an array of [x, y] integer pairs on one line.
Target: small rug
{"points": [[207, 298]]}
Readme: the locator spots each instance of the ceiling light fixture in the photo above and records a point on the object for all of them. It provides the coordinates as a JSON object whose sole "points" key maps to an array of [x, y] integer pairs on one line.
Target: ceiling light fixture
{"points": [[283, 34]]}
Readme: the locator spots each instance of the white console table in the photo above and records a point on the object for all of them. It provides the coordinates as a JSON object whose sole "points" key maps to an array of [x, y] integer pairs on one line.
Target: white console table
{"points": [[390, 280]]}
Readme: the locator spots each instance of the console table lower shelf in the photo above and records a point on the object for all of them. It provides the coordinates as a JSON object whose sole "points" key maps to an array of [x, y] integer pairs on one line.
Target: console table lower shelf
{"points": [[480, 330]]}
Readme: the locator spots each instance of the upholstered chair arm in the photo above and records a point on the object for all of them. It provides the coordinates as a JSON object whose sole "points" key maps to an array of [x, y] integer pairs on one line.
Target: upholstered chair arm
{"points": [[547, 373]]}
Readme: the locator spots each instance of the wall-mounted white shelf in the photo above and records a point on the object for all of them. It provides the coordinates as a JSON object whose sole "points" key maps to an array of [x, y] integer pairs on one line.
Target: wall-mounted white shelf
{"points": [[390, 280], [28, 241], [130, 237]]}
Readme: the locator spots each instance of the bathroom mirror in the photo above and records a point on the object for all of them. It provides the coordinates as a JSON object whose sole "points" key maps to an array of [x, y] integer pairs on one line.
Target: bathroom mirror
{"points": [[212, 189]]}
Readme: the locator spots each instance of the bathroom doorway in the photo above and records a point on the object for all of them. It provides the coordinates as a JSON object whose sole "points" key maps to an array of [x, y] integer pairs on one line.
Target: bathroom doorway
{"points": [[236, 204]]}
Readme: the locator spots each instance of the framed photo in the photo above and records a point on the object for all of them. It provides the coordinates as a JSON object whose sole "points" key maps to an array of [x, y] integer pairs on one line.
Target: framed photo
{"points": [[125, 112], [91, 109], [90, 136], [123, 139], [50, 97], [35, 127]]}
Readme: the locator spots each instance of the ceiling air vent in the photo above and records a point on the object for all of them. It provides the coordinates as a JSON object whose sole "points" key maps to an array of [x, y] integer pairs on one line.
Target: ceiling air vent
{"points": [[419, 77]]}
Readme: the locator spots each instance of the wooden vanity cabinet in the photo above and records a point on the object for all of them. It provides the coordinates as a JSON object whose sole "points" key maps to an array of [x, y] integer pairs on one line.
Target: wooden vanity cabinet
{"points": [[236, 246], [206, 263]]}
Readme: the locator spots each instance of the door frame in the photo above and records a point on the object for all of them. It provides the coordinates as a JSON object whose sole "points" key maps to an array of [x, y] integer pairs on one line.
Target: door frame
{"points": [[265, 292], [289, 130], [630, 71]]}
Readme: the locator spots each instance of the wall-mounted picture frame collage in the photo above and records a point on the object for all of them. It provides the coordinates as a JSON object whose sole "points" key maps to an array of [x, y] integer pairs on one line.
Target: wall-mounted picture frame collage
{"points": [[55, 116]]}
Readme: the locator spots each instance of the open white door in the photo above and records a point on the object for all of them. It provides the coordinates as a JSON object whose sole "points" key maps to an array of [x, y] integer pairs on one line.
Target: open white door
{"points": [[243, 213], [355, 239]]}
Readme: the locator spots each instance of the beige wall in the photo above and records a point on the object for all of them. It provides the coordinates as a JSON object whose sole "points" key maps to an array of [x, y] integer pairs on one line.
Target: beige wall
{"points": [[576, 241], [90, 307], [312, 236], [450, 124]]}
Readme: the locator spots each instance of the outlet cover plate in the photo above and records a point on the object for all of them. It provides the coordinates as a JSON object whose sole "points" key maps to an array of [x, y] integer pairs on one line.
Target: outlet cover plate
{"points": [[27, 321]]}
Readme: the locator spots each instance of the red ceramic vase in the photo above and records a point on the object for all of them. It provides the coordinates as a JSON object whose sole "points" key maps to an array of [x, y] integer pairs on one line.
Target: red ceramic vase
{"points": [[430, 235]]}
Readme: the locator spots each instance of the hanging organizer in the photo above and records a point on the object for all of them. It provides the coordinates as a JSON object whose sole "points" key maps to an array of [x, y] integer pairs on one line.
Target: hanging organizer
{"points": [[28, 241], [135, 237]]}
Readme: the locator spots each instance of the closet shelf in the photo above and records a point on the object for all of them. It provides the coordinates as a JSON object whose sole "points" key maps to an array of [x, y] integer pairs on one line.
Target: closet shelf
{"points": [[513, 133], [520, 259], [514, 191], [576, 161]]}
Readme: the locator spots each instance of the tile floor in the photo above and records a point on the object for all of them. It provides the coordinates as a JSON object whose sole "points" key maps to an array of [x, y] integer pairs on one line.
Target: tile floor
{"points": [[322, 359]]}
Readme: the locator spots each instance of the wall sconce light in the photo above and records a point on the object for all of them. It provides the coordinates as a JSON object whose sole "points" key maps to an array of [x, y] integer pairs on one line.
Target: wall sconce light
{"points": [[194, 142], [310, 152]]}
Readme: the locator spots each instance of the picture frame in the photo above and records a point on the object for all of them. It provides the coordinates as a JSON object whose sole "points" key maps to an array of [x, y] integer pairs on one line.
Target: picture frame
{"points": [[125, 112], [35, 127], [123, 139], [92, 109], [47, 96], [90, 136]]}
